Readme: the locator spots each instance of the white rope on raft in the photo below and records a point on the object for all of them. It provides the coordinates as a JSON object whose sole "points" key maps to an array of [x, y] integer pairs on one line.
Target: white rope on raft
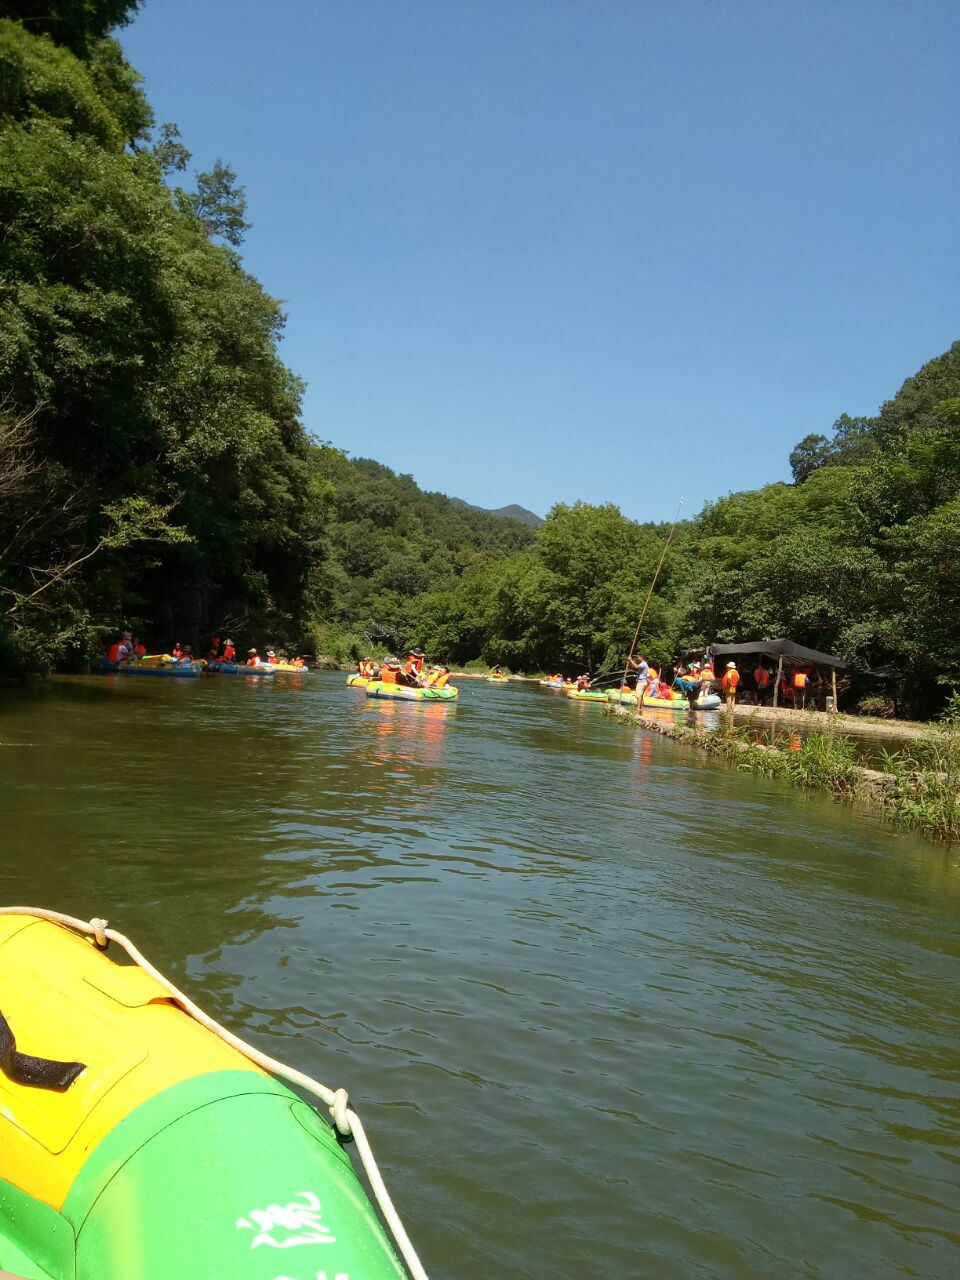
{"points": [[346, 1120]]}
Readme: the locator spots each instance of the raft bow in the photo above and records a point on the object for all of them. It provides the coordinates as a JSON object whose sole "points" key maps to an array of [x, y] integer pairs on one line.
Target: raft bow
{"points": [[140, 1140]]}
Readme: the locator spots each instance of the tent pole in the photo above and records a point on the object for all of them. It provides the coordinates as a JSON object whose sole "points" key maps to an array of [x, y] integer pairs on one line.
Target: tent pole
{"points": [[833, 685], [776, 687]]}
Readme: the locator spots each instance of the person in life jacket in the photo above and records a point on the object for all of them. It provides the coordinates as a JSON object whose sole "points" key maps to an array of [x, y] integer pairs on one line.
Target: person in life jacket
{"points": [[707, 677], [439, 678], [731, 678], [414, 663], [113, 652], [186, 654], [583, 682], [139, 648], [761, 678], [229, 652], [214, 652], [253, 658], [177, 651], [801, 683], [271, 657], [390, 672]]}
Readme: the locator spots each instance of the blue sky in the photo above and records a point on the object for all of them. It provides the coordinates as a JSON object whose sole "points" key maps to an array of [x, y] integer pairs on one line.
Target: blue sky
{"points": [[619, 250]]}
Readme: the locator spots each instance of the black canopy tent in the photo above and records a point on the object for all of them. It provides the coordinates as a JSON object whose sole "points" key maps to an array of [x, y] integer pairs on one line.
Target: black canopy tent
{"points": [[781, 649]]}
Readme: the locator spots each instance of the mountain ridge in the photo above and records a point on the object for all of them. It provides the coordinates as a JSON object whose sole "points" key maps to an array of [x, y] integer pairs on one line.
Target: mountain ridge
{"points": [[511, 512]]}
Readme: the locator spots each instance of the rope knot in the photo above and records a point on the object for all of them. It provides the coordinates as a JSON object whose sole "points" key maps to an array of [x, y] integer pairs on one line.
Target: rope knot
{"points": [[338, 1110], [99, 928]]}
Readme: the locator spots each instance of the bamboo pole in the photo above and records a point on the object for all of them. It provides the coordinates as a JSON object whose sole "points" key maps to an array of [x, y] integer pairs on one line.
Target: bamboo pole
{"points": [[646, 603], [776, 687], [833, 685]]}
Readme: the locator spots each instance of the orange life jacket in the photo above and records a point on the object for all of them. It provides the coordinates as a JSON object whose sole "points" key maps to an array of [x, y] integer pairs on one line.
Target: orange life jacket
{"points": [[801, 680], [440, 680], [253, 662], [176, 651], [730, 680], [113, 652], [761, 677], [272, 659], [388, 675]]}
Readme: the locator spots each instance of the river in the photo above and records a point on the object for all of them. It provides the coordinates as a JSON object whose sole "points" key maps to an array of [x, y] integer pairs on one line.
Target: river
{"points": [[607, 1007]]}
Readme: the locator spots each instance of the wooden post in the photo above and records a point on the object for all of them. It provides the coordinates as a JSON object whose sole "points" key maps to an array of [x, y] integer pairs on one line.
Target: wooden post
{"points": [[776, 686], [833, 683]]}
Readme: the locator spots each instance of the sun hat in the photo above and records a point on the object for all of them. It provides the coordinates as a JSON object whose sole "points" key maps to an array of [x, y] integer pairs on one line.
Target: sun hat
{"points": [[731, 664]]}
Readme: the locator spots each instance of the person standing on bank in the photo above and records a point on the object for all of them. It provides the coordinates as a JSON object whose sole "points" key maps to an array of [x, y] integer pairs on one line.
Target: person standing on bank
{"points": [[731, 678], [761, 678], [801, 683]]}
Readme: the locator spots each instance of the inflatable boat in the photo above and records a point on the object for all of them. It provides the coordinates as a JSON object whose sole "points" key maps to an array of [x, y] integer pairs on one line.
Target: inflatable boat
{"points": [[586, 695], [404, 693], [146, 668], [706, 702], [357, 681], [140, 1141], [238, 669]]}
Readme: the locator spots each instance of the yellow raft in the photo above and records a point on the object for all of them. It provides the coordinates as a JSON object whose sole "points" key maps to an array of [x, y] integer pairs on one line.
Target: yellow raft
{"points": [[136, 1143]]}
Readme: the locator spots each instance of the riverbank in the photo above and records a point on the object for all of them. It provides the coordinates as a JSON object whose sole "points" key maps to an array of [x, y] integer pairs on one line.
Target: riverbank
{"points": [[918, 787], [834, 722]]}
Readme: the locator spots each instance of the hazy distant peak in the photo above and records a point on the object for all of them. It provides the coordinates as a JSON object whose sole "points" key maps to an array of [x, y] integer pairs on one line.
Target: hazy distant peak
{"points": [[512, 512]]}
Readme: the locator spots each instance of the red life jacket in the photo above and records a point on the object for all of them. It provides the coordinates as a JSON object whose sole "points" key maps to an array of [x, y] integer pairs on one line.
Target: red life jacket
{"points": [[113, 652], [229, 653], [762, 677]]}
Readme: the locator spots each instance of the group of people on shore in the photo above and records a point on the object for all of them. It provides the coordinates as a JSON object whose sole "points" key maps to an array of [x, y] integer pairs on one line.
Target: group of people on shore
{"points": [[414, 672]]}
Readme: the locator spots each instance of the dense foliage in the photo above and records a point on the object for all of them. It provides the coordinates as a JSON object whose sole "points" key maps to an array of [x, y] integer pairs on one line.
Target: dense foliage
{"points": [[154, 471]]}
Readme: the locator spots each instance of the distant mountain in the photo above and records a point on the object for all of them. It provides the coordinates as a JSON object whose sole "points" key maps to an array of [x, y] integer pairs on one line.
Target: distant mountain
{"points": [[513, 512]]}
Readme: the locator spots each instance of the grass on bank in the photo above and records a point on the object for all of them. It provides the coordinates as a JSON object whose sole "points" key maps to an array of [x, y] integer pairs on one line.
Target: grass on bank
{"points": [[918, 786]]}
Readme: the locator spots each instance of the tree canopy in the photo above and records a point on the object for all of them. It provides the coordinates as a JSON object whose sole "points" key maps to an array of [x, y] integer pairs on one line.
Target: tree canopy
{"points": [[155, 473]]}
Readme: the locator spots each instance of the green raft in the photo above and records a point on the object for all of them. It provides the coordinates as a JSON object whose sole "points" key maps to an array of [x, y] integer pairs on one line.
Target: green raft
{"points": [[403, 693], [136, 1144]]}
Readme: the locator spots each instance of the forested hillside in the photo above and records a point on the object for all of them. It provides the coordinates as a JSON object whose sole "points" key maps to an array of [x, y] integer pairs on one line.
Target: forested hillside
{"points": [[155, 472]]}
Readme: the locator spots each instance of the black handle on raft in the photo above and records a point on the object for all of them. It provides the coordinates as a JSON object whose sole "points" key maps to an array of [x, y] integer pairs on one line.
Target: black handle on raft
{"points": [[41, 1073]]}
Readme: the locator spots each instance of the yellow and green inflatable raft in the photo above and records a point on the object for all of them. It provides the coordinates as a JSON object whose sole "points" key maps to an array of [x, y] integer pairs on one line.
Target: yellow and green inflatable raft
{"points": [[405, 693], [135, 1144]]}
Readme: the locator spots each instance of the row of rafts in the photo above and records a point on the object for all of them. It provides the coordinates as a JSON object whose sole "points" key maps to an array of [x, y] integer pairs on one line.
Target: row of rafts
{"points": [[162, 664], [405, 693]]}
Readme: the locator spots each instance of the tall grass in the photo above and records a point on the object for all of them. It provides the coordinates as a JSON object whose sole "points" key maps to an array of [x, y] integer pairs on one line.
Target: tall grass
{"points": [[926, 776]]}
